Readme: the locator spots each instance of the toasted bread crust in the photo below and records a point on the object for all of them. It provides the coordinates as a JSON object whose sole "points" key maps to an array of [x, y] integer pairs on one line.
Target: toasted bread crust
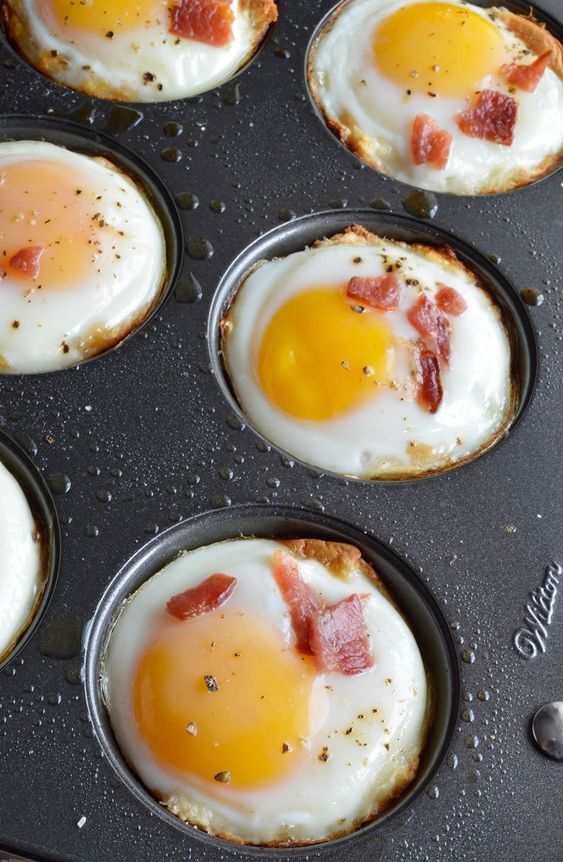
{"points": [[341, 560], [535, 36], [16, 20]]}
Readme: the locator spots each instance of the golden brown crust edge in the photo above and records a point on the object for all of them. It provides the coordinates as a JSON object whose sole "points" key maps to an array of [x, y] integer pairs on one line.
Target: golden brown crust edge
{"points": [[341, 559], [261, 13], [535, 36]]}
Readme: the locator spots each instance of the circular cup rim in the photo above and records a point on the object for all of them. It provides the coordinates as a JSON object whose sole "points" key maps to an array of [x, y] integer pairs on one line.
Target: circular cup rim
{"points": [[101, 623], [143, 174], [43, 507], [236, 271]]}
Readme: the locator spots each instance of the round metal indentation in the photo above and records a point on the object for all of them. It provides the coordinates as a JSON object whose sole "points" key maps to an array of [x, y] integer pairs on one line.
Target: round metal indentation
{"points": [[519, 7], [295, 235], [547, 729], [413, 598], [43, 509], [88, 142]]}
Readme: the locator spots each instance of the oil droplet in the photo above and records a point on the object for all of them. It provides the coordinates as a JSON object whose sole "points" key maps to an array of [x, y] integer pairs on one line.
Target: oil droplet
{"points": [[287, 215], [338, 204], [531, 296], [91, 531], [226, 473], [220, 501], [232, 95], [172, 130], [199, 248], [452, 761], [104, 496], [193, 479], [282, 53], [188, 289], [171, 154], [26, 443], [471, 741], [433, 792], [235, 423], [217, 207], [468, 656], [483, 694], [62, 638], [94, 471], [421, 204], [468, 715], [54, 698], [85, 113], [187, 201], [59, 483], [121, 119], [380, 204]]}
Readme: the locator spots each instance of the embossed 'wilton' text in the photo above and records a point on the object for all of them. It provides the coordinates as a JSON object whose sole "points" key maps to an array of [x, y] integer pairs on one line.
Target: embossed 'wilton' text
{"points": [[530, 639]]}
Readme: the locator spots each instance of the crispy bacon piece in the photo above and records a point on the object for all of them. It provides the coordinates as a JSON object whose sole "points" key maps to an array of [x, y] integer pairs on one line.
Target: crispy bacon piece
{"points": [[449, 300], [526, 76], [208, 21], [210, 594], [493, 118], [338, 637], [429, 144], [302, 599], [27, 260], [433, 327], [377, 291], [430, 392]]}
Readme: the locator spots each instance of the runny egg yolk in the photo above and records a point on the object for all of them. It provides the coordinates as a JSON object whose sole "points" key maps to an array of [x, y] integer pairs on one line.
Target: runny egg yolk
{"points": [[46, 203], [319, 357], [105, 17], [250, 730], [438, 48]]}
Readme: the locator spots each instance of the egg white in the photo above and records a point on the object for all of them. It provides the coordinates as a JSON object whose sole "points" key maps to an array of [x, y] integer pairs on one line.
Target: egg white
{"points": [[117, 67], [317, 799], [124, 282], [21, 582], [386, 435], [349, 89]]}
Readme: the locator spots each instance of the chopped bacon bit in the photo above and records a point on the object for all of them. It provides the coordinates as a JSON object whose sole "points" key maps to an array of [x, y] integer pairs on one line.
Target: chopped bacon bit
{"points": [[208, 21], [210, 594], [301, 598], [492, 119], [429, 144], [433, 327], [449, 300], [526, 77], [430, 391], [338, 637], [27, 260], [378, 291]]}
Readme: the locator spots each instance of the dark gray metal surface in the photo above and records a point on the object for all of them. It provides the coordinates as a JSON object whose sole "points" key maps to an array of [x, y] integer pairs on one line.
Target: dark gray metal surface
{"points": [[150, 425]]}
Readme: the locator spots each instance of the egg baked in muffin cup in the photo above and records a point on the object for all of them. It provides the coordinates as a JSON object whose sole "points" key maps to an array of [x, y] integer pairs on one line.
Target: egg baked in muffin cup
{"points": [[148, 51], [83, 257], [371, 357], [447, 96], [303, 707]]}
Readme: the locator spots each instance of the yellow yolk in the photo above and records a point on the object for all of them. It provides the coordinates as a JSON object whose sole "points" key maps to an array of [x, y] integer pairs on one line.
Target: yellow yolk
{"points": [[105, 16], [438, 48], [320, 358], [262, 704], [45, 203]]}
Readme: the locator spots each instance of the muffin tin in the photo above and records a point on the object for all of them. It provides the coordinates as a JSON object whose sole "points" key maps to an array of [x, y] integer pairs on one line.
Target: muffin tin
{"points": [[147, 436]]}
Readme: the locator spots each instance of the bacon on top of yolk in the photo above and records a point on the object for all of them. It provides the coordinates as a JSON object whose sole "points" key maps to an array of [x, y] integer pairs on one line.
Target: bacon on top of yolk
{"points": [[44, 203], [437, 48], [214, 696], [319, 358]]}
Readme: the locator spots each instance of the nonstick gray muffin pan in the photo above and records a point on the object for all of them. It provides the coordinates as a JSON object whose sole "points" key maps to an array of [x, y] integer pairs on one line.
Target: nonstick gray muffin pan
{"points": [[145, 452]]}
